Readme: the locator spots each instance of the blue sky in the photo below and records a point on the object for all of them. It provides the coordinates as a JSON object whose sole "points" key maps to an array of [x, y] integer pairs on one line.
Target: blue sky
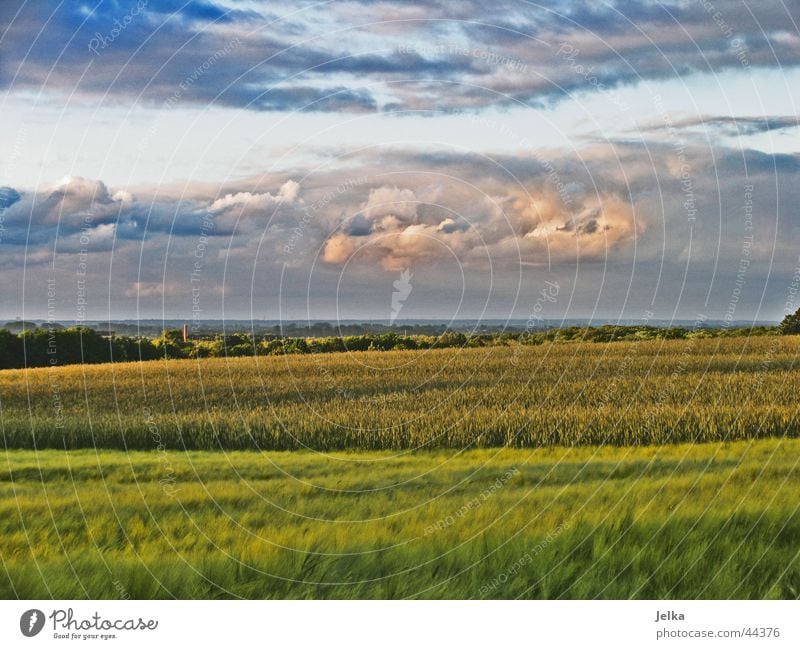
{"points": [[247, 159]]}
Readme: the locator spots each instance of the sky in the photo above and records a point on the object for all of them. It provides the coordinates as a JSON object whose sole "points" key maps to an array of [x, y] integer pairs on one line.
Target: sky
{"points": [[382, 160]]}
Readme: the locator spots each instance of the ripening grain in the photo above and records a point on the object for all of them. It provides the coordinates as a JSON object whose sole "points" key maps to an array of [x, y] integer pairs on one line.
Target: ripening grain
{"points": [[652, 392]]}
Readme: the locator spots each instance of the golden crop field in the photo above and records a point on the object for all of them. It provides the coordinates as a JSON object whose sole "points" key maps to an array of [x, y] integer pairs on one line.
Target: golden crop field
{"points": [[651, 392]]}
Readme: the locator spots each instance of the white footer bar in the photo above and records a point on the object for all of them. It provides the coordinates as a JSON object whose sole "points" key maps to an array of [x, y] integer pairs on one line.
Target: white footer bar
{"points": [[390, 624]]}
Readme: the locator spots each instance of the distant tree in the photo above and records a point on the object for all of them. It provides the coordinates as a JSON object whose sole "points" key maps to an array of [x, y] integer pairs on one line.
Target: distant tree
{"points": [[170, 344], [790, 324], [18, 326], [674, 333], [126, 348], [11, 352]]}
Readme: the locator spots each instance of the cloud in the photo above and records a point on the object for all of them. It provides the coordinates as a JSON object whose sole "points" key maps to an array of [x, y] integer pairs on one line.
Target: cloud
{"points": [[69, 205], [144, 289], [254, 202], [599, 225], [611, 209], [391, 201], [338, 249], [449, 226], [307, 99], [365, 56], [393, 228], [533, 223], [75, 208], [289, 191], [8, 196], [122, 196], [729, 125]]}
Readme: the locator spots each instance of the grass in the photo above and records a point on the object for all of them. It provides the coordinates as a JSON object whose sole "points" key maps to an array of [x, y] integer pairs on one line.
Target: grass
{"points": [[622, 393], [715, 520]]}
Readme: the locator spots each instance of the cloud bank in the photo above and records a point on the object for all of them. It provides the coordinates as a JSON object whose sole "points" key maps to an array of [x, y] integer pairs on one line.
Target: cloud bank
{"points": [[365, 56], [463, 217]]}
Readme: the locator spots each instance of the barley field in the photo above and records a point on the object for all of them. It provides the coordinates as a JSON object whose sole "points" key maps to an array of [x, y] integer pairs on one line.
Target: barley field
{"points": [[654, 392], [680, 521]]}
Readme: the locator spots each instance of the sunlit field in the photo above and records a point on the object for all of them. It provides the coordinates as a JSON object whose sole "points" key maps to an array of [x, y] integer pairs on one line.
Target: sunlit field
{"points": [[647, 470], [653, 392]]}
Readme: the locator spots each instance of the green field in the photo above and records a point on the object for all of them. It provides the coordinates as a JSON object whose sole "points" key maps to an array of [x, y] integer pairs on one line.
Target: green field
{"points": [[684, 521], [646, 470]]}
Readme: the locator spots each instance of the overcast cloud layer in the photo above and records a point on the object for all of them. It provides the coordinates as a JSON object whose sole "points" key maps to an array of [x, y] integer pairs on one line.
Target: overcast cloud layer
{"points": [[637, 204]]}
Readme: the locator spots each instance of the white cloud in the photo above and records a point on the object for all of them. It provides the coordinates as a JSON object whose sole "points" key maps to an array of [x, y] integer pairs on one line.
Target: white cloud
{"points": [[391, 201], [250, 202]]}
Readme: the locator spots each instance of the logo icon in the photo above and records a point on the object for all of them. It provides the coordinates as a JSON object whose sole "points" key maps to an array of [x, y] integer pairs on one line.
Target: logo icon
{"points": [[31, 622], [402, 289]]}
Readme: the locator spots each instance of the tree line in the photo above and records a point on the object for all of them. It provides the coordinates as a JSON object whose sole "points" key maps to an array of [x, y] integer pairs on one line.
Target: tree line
{"points": [[44, 347]]}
